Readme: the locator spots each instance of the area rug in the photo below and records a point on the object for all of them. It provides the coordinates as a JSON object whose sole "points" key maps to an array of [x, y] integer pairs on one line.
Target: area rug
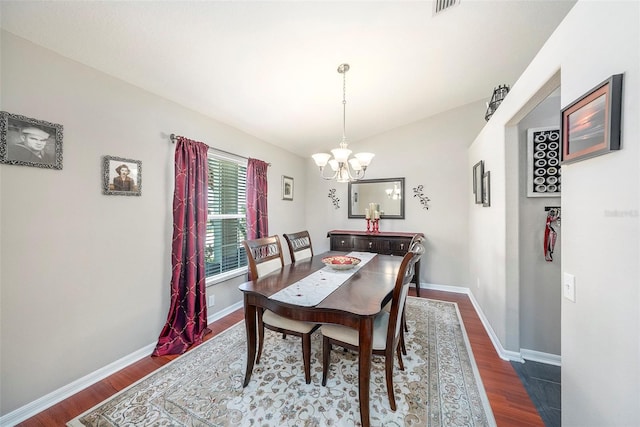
{"points": [[439, 387]]}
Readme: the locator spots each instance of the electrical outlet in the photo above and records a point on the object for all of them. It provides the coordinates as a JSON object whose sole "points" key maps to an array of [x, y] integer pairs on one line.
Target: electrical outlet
{"points": [[569, 287], [212, 300]]}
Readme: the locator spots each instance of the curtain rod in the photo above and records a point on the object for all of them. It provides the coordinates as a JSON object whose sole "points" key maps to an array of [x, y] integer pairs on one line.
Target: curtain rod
{"points": [[173, 137]]}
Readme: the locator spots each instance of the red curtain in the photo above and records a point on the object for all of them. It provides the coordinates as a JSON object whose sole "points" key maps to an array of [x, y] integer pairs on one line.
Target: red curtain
{"points": [[257, 214], [187, 319]]}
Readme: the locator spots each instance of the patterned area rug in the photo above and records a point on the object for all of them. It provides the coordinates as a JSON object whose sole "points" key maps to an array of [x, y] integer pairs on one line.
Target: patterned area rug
{"points": [[440, 385]]}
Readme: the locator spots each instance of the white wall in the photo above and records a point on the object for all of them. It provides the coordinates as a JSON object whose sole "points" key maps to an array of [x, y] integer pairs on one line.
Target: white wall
{"points": [[432, 153], [69, 304], [540, 284], [600, 226]]}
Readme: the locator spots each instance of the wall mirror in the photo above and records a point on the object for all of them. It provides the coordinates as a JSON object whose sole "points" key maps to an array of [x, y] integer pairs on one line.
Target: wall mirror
{"points": [[387, 193]]}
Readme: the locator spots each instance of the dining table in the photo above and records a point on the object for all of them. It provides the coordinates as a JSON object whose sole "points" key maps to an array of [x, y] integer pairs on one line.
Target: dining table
{"points": [[353, 303]]}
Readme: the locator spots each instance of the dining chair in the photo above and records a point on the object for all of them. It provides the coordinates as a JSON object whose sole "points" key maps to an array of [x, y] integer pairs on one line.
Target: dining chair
{"points": [[417, 244], [417, 247], [387, 327], [265, 256], [299, 245]]}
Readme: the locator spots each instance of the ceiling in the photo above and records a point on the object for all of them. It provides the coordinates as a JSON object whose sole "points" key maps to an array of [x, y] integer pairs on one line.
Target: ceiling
{"points": [[270, 68]]}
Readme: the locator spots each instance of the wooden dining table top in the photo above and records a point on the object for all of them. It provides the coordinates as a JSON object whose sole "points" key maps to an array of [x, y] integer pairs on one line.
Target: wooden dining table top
{"points": [[362, 294]]}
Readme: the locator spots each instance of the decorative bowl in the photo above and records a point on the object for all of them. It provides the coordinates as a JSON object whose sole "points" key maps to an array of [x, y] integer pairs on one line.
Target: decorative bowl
{"points": [[341, 262]]}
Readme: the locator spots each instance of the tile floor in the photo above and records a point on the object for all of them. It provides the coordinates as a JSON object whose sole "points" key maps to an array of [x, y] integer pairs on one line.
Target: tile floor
{"points": [[542, 382]]}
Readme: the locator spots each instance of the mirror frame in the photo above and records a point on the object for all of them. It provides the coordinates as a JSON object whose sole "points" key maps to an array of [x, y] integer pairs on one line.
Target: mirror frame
{"points": [[351, 214]]}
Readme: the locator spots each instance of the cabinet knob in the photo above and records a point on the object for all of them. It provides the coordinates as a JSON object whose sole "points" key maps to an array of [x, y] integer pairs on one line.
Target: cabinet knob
{"points": [[370, 245], [342, 242], [402, 246]]}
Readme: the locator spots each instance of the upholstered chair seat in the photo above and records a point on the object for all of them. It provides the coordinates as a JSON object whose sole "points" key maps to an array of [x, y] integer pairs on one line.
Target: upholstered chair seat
{"points": [[265, 257]]}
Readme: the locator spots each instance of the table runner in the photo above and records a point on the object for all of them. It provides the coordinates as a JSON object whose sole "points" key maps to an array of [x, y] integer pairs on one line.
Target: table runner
{"points": [[311, 290]]}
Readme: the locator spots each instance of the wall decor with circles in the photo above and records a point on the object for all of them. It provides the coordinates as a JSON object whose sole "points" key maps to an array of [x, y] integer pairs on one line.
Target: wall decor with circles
{"points": [[543, 162]]}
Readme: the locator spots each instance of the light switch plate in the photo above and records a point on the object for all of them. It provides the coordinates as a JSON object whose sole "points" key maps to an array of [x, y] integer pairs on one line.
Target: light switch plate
{"points": [[569, 287]]}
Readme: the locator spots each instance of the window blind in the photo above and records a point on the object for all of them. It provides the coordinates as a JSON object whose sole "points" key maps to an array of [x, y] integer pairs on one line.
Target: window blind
{"points": [[226, 220]]}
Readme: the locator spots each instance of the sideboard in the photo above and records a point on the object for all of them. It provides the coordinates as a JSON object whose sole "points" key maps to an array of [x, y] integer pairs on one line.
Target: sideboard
{"points": [[383, 242]]}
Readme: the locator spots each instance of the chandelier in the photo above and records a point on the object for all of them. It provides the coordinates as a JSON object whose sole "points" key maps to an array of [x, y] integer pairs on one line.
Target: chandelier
{"points": [[344, 169], [393, 193]]}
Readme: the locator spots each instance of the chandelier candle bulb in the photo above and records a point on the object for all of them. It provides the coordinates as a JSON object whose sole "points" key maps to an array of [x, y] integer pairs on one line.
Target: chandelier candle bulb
{"points": [[366, 213]]}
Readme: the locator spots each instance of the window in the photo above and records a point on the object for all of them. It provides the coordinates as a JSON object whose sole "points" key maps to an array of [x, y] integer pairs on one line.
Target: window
{"points": [[227, 217]]}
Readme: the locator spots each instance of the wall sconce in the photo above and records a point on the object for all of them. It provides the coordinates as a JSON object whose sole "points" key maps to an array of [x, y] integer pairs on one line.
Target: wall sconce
{"points": [[499, 94]]}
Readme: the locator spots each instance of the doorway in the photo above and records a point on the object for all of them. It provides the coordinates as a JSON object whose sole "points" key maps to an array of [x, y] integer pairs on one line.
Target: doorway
{"points": [[539, 196]]}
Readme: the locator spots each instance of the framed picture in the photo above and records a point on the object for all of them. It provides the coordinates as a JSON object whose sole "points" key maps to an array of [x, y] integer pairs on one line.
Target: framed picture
{"points": [[543, 162], [30, 142], [486, 189], [121, 177], [287, 188], [591, 125], [478, 171]]}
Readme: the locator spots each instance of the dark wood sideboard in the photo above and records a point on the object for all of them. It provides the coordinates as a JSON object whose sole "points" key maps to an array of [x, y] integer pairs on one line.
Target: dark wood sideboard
{"points": [[383, 242]]}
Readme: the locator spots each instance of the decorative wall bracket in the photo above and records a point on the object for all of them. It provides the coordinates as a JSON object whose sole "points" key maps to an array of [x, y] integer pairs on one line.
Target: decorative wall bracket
{"points": [[424, 200], [334, 199]]}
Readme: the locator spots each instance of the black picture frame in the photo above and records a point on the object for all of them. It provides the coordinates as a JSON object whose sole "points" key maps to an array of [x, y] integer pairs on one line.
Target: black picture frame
{"points": [[387, 193], [287, 188], [25, 141], [591, 124], [478, 172], [112, 167], [543, 162], [486, 189]]}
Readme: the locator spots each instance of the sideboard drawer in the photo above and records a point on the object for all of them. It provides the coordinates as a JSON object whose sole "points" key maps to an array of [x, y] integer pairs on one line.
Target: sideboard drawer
{"points": [[372, 244], [399, 246], [342, 243]]}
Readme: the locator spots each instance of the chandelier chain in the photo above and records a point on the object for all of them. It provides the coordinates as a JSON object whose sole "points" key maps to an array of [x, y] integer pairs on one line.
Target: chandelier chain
{"points": [[344, 104]]}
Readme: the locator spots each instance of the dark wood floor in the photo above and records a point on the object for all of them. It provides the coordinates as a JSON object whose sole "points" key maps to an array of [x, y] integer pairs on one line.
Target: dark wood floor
{"points": [[509, 400]]}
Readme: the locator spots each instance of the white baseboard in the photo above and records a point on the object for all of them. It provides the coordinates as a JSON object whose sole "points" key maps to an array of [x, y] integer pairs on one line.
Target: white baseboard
{"points": [[39, 405], [538, 356], [445, 288], [56, 396], [524, 354], [502, 352], [219, 315]]}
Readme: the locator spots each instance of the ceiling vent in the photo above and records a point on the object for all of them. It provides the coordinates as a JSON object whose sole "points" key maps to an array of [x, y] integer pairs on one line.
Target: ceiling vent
{"points": [[440, 6]]}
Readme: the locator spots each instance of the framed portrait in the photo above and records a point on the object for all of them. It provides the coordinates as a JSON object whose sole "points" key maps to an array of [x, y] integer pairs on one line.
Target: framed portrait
{"points": [[25, 141], [287, 188], [478, 171], [121, 177], [543, 162], [591, 124], [486, 189]]}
